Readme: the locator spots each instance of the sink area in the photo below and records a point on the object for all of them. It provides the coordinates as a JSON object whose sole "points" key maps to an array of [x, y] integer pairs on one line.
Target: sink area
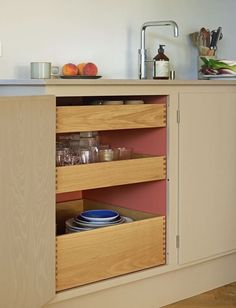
{"points": [[143, 52]]}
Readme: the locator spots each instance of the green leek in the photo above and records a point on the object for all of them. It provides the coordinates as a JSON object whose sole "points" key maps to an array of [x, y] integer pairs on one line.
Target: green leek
{"points": [[219, 64]]}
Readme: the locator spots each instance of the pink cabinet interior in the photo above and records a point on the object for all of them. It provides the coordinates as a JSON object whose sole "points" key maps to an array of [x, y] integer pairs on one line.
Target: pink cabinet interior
{"points": [[147, 197]]}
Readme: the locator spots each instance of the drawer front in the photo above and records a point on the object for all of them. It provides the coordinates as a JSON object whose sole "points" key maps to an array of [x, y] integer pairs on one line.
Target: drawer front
{"points": [[96, 118], [95, 255], [107, 174]]}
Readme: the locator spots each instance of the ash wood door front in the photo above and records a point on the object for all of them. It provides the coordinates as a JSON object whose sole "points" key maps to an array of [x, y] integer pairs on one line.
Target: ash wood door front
{"points": [[27, 205], [207, 174]]}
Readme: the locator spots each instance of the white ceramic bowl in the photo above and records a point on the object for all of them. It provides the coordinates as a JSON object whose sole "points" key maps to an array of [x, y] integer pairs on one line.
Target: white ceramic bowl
{"points": [[113, 103], [134, 102]]}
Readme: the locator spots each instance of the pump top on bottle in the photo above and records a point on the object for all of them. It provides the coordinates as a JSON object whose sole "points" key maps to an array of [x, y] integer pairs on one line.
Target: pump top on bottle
{"points": [[161, 64]]}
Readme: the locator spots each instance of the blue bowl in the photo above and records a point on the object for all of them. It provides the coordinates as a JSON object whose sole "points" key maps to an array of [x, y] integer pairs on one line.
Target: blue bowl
{"points": [[99, 215]]}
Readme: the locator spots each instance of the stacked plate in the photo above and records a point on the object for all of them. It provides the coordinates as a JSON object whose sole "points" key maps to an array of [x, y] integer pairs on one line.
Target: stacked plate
{"points": [[93, 219]]}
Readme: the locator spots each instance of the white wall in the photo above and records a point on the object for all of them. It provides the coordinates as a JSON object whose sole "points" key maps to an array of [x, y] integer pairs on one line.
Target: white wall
{"points": [[107, 32]]}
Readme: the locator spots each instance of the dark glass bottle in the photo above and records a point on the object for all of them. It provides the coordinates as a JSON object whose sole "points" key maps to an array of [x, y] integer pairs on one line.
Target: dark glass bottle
{"points": [[161, 65]]}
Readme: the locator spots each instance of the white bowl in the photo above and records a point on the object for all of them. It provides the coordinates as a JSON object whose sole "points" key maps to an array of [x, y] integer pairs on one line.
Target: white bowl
{"points": [[113, 103], [134, 102]]}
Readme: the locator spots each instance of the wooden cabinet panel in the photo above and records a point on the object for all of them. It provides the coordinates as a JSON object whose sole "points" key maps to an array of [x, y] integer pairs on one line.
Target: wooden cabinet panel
{"points": [[207, 175], [27, 201]]}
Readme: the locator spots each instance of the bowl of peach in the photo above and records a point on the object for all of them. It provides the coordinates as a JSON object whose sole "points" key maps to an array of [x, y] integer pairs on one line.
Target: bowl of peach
{"points": [[80, 71]]}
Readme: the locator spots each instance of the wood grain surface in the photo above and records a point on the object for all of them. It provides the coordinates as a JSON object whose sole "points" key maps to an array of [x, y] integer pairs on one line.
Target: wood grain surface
{"points": [[87, 118], [95, 255], [224, 297], [112, 173], [27, 201]]}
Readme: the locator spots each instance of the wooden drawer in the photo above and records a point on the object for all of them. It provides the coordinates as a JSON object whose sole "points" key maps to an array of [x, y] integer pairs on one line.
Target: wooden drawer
{"points": [[105, 174], [96, 118], [95, 255]]}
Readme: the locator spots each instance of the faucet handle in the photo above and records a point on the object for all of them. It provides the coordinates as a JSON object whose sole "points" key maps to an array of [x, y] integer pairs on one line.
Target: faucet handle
{"points": [[142, 52]]}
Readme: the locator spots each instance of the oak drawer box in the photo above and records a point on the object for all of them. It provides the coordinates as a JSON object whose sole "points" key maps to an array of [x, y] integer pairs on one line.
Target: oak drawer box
{"points": [[103, 253], [104, 174], [97, 118]]}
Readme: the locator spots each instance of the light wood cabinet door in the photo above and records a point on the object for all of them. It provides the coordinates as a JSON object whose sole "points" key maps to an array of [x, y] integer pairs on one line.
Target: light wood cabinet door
{"points": [[207, 175], [27, 201]]}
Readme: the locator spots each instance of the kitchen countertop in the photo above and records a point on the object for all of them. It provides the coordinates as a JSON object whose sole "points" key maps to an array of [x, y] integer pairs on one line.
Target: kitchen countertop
{"points": [[45, 82], [98, 87]]}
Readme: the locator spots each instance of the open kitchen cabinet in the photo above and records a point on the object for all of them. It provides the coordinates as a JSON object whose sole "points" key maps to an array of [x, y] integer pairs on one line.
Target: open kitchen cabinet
{"points": [[184, 220], [135, 187]]}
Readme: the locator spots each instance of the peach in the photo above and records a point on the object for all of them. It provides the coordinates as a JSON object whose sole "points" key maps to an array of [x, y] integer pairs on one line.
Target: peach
{"points": [[69, 69], [90, 69], [80, 67]]}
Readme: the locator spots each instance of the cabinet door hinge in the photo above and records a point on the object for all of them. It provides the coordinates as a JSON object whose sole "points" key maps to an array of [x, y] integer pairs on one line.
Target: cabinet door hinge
{"points": [[178, 116], [177, 241]]}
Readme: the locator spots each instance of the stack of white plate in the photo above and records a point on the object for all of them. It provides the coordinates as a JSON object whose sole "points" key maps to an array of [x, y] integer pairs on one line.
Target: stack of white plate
{"points": [[113, 102], [93, 219], [134, 102]]}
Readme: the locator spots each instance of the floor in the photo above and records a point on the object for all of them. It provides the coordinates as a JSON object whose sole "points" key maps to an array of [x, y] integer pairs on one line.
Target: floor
{"points": [[224, 297]]}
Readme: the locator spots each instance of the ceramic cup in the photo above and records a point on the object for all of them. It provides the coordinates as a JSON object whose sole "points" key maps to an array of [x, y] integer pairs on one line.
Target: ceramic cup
{"points": [[43, 70]]}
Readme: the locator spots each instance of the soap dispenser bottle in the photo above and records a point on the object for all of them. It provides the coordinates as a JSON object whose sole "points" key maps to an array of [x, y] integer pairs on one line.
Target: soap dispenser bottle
{"points": [[161, 64]]}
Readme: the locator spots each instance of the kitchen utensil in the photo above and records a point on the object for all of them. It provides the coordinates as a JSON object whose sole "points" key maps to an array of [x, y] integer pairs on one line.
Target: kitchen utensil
{"points": [[216, 35], [200, 41], [203, 37], [206, 37], [194, 38], [219, 36]]}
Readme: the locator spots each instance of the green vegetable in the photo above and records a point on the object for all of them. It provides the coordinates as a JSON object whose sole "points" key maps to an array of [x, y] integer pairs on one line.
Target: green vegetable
{"points": [[219, 64]]}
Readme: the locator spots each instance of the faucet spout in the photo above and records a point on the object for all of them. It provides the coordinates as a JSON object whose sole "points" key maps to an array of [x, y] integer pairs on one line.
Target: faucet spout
{"points": [[142, 50]]}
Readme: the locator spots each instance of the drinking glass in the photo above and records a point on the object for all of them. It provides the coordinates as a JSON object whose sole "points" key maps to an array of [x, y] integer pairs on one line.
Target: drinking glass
{"points": [[85, 156], [105, 155], [124, 153]]}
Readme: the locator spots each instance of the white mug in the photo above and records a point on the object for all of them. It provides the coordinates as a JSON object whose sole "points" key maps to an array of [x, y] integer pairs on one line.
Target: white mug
{"points": [[43, 70]]}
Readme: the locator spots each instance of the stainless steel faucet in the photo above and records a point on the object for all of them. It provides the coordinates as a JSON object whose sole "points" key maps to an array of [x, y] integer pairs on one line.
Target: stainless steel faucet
{"points": [[143, 52]]}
